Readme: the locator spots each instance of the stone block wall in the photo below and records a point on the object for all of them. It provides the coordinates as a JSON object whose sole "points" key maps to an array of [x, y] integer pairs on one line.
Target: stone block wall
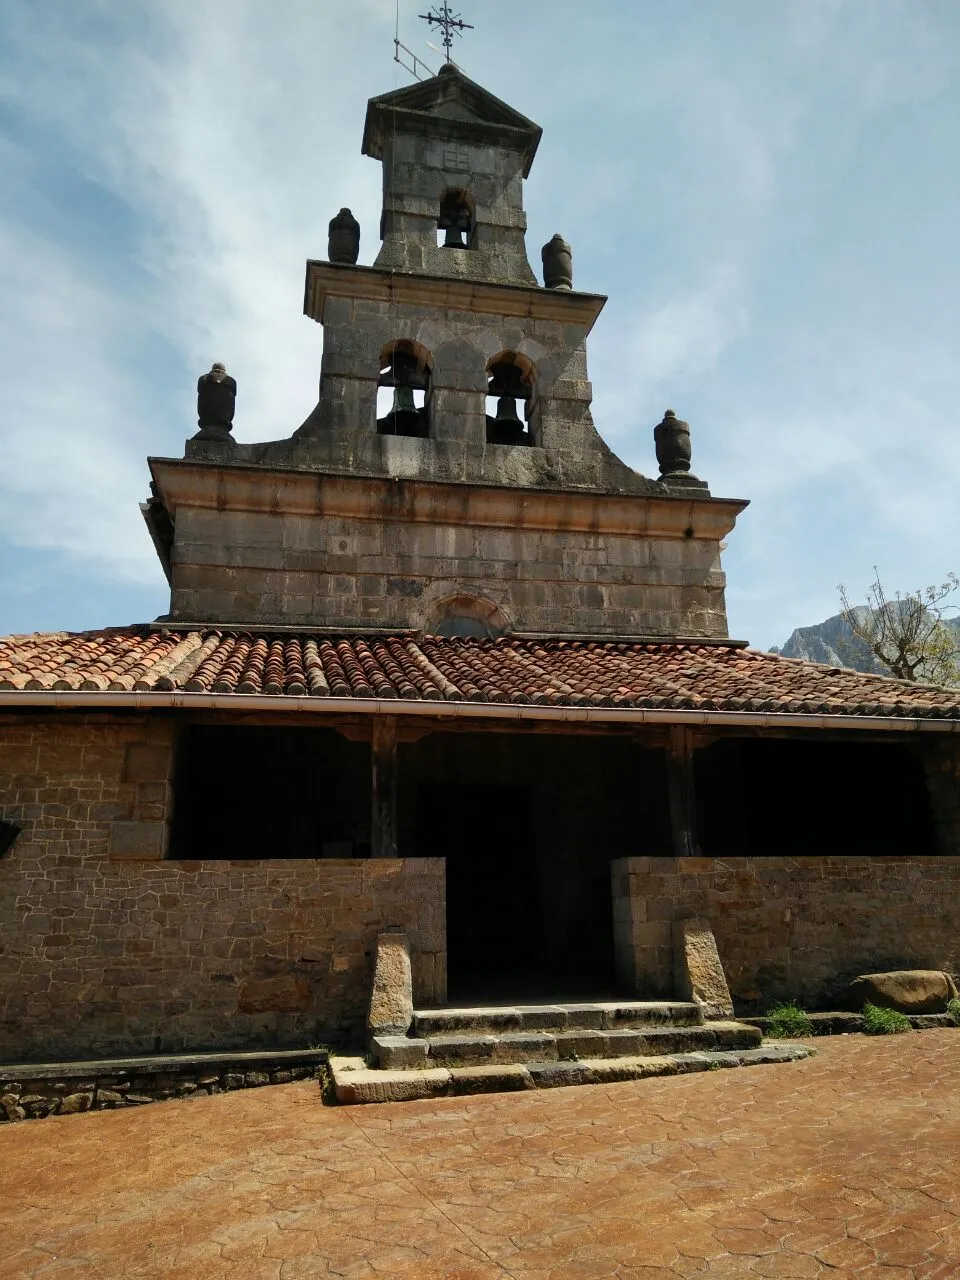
{"points": [[106, 948], [788, 927], [323, 570], [417, 170]]}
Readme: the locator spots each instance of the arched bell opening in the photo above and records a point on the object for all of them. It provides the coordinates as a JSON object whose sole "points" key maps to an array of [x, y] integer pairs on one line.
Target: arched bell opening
{"points": [[403, 391], [457, 220], [511, 392]]}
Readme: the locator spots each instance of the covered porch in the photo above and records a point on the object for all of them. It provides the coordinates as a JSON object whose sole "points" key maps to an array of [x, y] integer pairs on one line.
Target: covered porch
{"points": [[542, 826]]}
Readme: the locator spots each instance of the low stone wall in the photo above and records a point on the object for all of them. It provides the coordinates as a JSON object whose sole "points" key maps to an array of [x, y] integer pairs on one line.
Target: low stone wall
{"points": [[106, 948], [69, 1088], [788, 927]]}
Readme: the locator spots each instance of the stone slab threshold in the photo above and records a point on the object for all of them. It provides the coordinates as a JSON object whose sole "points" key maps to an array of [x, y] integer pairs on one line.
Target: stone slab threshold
{"points": [[354, 1082]]}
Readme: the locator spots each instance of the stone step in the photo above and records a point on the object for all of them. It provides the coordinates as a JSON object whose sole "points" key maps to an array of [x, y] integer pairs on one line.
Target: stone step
{"points": [[477, 1049], [354, 1082], [586, 1016]]}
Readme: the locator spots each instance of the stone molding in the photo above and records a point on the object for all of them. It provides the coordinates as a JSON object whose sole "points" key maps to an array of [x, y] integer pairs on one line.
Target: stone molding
{"points": [[190, 483], [326, 280]]}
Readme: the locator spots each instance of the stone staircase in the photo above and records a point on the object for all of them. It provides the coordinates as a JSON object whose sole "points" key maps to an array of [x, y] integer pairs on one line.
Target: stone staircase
{"points": [[556, 1033], [524, 1046]]}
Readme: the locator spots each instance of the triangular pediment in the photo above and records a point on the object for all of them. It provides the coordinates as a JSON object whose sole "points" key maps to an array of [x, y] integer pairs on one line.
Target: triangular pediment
{"points": [[448, 96]]}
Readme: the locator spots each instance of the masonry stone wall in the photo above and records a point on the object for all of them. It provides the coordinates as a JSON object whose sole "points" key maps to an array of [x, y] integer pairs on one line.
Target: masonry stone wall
{"points": [[323, 570], [106, 948], [460, 343], [788, 927]]}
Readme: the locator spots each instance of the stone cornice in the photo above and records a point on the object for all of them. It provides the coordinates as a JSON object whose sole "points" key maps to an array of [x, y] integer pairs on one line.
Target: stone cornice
{"points": [[336, 280], [192, 484]]}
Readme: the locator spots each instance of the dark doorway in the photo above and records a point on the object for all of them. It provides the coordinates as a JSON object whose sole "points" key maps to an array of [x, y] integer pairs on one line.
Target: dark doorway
{"points": [[529, 824], [493, 927]]}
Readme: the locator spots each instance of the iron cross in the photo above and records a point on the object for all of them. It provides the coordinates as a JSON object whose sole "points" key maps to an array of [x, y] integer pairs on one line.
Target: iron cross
{"points": [[451, 23]]}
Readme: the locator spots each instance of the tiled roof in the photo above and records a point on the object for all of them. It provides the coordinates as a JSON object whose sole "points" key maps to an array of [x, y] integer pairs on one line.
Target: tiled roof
{"points": [[555, 672]]}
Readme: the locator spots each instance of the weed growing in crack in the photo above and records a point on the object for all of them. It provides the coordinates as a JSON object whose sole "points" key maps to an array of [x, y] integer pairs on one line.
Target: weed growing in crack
{"points": [[884, 1022], [787, 1019]]}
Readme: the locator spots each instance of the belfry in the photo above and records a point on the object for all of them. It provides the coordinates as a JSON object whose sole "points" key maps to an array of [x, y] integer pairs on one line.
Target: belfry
{"points": [[481, 498], [445, 711]]}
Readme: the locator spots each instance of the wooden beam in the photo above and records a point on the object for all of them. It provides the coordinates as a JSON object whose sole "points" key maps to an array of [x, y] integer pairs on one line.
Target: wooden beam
{"points": [[683, 814], [383, 798]]}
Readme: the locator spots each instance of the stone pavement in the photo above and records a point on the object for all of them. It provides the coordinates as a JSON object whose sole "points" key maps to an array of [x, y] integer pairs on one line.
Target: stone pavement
{"points": [[842, 1165]]}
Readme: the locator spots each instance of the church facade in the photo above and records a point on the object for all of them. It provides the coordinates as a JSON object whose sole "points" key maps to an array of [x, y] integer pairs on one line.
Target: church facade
{"points": [[439, 662]]}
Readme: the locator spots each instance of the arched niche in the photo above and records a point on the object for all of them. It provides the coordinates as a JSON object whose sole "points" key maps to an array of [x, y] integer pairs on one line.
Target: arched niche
{"points": [[456, 219], [511, 398], [403, 394], [467, 617]]}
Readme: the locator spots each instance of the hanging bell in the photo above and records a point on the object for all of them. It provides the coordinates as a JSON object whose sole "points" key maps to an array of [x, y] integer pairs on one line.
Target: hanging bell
{"points": [[453, 238], [403, 400], [404, 418], [507, 415]]}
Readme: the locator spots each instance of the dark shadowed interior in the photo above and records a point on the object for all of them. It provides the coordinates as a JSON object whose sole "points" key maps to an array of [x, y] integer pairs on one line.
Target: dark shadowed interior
{"points": [[529, 825], [770, 796], [256, 792]]}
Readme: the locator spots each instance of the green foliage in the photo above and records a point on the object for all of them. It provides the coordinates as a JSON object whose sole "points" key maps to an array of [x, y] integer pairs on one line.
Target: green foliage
{"points": [[788, 1019], [953, 1008], [884, 1022]]}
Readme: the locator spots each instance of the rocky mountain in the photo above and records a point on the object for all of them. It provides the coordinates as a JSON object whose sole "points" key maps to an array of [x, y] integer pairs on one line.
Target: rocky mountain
{"points": [[834, 644]]}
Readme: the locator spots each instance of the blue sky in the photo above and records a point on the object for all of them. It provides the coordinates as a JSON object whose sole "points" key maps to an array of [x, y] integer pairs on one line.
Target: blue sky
{"points": [[769, 193]]}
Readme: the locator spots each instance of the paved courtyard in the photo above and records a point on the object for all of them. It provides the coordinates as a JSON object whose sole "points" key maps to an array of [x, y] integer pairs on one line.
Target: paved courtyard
{"points": [[843, 1165]]}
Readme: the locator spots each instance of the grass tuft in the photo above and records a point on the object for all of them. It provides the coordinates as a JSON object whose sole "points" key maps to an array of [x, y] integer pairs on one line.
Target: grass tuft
{"points": [[788, 1019], [953, 1008], [884, 1022]]}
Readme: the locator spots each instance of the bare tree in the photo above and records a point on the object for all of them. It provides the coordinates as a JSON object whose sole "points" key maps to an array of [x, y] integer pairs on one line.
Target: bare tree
{"points": [[907, 634]]}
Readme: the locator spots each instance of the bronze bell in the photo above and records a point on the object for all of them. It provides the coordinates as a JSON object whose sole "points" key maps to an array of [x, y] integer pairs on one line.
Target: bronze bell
{"points": [[453, 238], [403, 400], [507, 415]]}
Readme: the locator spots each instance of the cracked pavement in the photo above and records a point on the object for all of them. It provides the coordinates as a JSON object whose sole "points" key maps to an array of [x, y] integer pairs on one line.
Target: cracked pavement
{"points": [[842, 1165]]}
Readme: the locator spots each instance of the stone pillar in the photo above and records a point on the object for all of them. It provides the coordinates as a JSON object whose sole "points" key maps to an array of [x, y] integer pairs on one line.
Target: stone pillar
{"points": [[383, 818], [683, 814]]}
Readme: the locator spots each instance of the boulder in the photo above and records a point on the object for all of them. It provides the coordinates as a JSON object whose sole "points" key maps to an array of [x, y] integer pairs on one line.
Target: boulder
{"points": [[906, 990]]}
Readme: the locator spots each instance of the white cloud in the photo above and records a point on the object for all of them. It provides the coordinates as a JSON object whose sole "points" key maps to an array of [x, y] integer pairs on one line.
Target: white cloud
{"points": [[640, 371]]}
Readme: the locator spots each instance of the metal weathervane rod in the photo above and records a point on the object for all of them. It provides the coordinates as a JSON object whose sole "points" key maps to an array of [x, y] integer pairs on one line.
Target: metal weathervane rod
{"points": [[451, 24]]}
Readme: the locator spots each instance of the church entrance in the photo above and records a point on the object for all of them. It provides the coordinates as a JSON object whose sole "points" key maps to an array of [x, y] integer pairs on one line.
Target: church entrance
{"points": [[529, 824], [493, 912]]}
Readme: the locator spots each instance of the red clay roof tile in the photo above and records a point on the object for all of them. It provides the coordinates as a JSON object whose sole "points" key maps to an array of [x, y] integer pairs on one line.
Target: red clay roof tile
{"points": [[667, 676]]}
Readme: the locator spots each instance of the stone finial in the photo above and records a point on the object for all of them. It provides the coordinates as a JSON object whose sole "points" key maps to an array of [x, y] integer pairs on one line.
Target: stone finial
{"points": [[672, 439], [216, 403], [557, 261], [343, 241]]}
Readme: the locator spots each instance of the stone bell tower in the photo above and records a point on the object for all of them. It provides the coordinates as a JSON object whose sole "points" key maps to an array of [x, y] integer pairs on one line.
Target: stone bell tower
{"points": [[480, 498]]}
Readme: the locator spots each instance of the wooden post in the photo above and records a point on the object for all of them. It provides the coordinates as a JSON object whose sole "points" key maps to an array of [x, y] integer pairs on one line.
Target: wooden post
{"points": [[683, 814], [383, 817]]}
